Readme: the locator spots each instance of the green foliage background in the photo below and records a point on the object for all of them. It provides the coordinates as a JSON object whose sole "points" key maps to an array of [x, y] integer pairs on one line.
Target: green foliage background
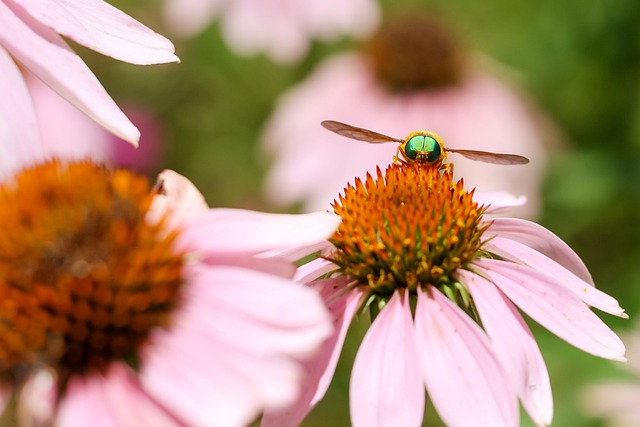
{"points": [[579, 60]]}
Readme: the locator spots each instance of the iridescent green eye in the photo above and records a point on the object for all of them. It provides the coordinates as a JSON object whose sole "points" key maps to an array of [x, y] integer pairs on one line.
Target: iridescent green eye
{"points": [[423, 146]]}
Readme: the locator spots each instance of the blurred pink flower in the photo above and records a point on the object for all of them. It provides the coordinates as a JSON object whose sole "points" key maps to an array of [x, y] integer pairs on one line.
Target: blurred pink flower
{"points": [[399, 84], [442, 283], [145, 307], [617, 402], [69, 134], [30, 38], [282, 29]]}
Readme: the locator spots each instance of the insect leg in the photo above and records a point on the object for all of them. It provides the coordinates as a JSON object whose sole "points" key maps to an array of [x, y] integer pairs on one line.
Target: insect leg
{"points": [[397, 160]]}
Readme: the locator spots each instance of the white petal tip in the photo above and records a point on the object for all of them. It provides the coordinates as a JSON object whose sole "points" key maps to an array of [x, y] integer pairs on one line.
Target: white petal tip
{"points": [[132, 137], [174, 58]]}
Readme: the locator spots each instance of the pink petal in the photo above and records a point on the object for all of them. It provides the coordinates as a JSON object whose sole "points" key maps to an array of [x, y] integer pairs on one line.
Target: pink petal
{"points": [[277, 267], [554, 307], [498, 202], [234, 348], [282, 39], [386, 385], [112, 400], [313, 270], [188, 17], [464, 378], [85, 404], [225, 231], [5, 396], [37, 399], [613, 399], [187, 375], [319, 370], [555, 273], [20, 143], [101, 27], [278, 314], [131, 404], [343, 306], [45, 54], [67, 133], [297, 252], [539, 238], [515, 346], [178, 196]]}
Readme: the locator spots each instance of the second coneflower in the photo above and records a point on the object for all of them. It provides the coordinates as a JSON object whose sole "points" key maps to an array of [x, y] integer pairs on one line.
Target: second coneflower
{"points": [[129, 305], [442, 283]]}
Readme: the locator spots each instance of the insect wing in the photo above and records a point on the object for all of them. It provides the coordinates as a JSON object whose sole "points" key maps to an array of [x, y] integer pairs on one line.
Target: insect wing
{"points": [[360, 134], [495, 158]]}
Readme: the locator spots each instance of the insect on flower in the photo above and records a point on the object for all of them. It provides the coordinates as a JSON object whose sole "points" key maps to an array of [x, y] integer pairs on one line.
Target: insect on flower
{"points": [[421, 146]]}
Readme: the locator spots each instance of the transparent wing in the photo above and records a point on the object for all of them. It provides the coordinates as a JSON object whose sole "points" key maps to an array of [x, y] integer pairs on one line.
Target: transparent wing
{"points": [[357, 133], [487, 157]]}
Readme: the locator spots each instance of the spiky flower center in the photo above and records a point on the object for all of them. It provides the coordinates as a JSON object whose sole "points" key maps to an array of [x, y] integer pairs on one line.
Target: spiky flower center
{"points": [[411, 53], [84, 276], [409, 228]]}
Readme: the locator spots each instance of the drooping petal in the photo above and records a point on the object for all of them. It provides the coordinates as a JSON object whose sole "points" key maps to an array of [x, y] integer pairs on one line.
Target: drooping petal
{"points": [[464, 377], [101, 27], [539, 238], [5, 395], [20, 143], [386, 386], [515, 346], [556, 274], [225, 231], [498, 202], [313, 270], [554, 307], [131, 404], [110, 400], [47, 56], [85, 404], [37, 399], [178, 196], [319, 369], [234, 349]]}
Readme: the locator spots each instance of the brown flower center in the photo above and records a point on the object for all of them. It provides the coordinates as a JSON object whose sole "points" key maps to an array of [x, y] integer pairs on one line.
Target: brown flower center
{"points": [[409, 228], [84, 276], [414, 53]]}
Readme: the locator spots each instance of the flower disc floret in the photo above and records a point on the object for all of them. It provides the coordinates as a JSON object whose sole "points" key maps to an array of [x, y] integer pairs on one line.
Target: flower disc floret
{"points": [[411, 227]]}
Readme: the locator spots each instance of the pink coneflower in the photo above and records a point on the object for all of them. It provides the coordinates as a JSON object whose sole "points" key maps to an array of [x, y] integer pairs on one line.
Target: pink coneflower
{"points": [[30, 37], [442, 283], [412, 75], [282, 29], [126, 305]]}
